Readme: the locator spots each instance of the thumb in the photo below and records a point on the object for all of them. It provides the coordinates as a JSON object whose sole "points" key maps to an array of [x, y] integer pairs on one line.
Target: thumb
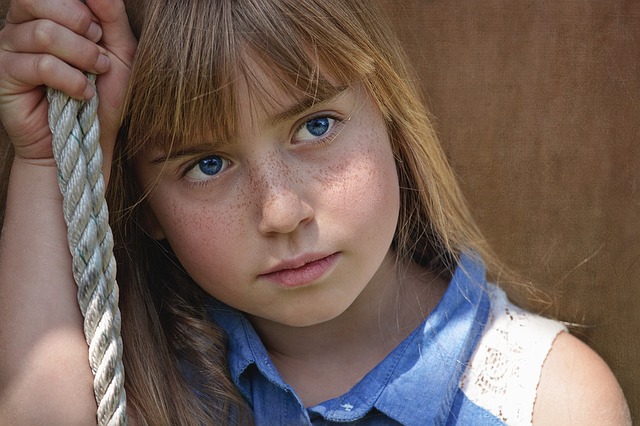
{"points": [[117, 37]]}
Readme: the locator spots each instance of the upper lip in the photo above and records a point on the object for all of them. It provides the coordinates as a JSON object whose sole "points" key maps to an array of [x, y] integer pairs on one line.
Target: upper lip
{"points": [[296, 262]]}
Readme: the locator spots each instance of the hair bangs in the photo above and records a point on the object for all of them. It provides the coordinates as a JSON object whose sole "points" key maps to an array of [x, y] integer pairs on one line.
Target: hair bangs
{"points": [[191, 57], [182, 83], [307, 51]]}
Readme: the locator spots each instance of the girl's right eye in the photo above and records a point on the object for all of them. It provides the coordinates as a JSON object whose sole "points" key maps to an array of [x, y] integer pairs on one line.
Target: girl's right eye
{"points": [[207, 168]]}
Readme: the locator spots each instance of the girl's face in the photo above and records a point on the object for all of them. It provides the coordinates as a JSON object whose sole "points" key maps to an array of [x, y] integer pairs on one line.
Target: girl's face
{"points": [[292, 220]]}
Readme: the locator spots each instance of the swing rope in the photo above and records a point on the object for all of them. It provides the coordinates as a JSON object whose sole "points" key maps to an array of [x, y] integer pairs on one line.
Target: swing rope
{"points": [[76, 149]]}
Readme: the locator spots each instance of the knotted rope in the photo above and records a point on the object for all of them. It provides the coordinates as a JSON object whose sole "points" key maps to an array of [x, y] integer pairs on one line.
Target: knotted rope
{"points": [[76, 149]]}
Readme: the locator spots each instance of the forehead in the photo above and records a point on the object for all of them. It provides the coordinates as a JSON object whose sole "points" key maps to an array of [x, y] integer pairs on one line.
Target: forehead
{"points": [[195, 87], [260, 88], [257, 93]]}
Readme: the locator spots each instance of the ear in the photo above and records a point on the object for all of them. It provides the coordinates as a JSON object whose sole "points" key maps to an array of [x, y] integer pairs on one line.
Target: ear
{"points": [[151, 225]]}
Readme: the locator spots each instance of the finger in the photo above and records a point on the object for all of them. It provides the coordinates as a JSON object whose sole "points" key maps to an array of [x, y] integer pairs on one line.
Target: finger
{"points": [[43, 36], [72, 14], [23, 72], [117, 36]]}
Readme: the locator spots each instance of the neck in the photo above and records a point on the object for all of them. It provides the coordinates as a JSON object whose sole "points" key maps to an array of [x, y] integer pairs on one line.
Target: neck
{"points": [[325, 360]]}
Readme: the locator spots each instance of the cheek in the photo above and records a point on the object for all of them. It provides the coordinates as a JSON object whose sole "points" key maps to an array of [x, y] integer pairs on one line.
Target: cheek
{"points": [[204, 236], [364, 180]]}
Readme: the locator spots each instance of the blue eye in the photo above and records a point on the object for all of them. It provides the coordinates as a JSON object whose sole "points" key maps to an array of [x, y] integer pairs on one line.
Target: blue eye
{"points": [[211, 166], [314, 129], [318, 126], [207, 167]]}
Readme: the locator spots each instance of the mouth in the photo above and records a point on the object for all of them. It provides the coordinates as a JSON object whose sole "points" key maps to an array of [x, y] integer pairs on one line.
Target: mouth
{"points": [[302, 271]]}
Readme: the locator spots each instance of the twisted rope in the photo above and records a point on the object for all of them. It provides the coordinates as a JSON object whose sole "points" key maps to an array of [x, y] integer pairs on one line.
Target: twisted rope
{"points": [[76, 149]]}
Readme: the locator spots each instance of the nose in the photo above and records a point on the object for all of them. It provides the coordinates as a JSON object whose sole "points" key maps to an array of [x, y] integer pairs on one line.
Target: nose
{"points": [[283, 207]]}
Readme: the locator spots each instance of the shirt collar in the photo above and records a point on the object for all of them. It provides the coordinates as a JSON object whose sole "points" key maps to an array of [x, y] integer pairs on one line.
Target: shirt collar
{"points": [[415, 384], [427, 379]]}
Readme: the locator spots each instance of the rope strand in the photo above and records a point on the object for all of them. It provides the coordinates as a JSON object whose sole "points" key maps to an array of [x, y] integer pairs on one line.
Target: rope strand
{"points": [[76, 149]]}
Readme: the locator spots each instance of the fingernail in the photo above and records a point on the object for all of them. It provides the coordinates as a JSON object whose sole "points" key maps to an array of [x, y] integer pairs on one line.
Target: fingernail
{"points": [[89, 92], [102, 64], [95, 32]]}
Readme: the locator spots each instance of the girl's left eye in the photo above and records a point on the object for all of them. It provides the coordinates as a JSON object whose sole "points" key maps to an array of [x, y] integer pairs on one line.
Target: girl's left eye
{"points": [[314, 129]]}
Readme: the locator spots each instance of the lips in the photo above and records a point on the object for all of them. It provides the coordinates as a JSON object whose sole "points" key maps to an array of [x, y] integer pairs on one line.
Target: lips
{"points": [[301, 271]]}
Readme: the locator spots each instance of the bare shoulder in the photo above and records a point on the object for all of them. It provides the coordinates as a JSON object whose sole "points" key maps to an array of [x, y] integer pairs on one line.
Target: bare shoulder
{"points": [[578, 388]]}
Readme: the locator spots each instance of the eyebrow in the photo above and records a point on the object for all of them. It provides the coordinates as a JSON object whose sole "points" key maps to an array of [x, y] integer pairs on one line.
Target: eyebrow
{"points": [[191, 151], [291, 112], [306, 104]]}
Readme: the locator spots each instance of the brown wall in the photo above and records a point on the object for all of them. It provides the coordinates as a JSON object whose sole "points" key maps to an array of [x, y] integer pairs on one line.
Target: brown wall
{"points": [[538, 106]]}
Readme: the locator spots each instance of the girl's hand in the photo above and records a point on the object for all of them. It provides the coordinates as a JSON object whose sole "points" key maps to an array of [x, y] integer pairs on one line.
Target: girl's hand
{"points": [[51, 43]]}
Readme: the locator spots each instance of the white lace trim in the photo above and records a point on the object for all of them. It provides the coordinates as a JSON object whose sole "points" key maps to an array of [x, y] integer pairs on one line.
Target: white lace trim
{"points": [[504, 371]]}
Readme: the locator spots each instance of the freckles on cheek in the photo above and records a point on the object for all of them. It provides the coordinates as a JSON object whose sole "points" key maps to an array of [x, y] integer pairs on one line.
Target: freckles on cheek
{"points": [[366, 173], [200, 234]]}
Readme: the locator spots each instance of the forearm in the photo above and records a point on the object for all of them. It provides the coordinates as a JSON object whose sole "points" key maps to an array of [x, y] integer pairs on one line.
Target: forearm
{"points": [[44, 373]]}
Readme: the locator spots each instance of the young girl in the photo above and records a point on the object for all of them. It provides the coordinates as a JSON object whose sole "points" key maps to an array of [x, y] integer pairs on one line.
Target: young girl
{"points": [[292, 246]]}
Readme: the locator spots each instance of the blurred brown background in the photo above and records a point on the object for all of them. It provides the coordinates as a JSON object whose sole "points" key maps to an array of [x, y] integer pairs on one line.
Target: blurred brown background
{"points": [[537, 103], [538, 106]]}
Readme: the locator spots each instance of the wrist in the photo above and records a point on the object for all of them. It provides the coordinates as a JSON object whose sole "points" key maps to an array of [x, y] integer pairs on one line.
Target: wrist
{"points": [[35, 177], [44, 163]]}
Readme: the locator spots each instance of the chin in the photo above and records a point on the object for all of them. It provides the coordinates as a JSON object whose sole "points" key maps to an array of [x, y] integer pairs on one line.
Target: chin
{"points": [[307, 318]]}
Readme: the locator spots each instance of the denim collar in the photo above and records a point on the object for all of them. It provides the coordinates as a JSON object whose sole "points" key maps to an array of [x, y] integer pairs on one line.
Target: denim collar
{"points": [[414, 385]]}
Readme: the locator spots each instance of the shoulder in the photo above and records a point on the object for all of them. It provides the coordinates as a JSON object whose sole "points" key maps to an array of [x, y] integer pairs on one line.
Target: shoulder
{"points": [[504, 371], [577, 387]]}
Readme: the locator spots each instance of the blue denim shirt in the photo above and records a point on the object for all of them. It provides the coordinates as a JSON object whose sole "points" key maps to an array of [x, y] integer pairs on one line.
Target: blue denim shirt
{"points": [[416, 384]]}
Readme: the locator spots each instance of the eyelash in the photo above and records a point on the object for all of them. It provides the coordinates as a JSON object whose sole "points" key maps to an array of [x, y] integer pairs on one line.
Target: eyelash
{"points": [[226, 163], [324, 139]]}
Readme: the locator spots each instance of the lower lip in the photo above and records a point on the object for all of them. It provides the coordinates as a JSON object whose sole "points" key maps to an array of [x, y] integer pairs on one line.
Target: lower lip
{"points": [[303, 275]]}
